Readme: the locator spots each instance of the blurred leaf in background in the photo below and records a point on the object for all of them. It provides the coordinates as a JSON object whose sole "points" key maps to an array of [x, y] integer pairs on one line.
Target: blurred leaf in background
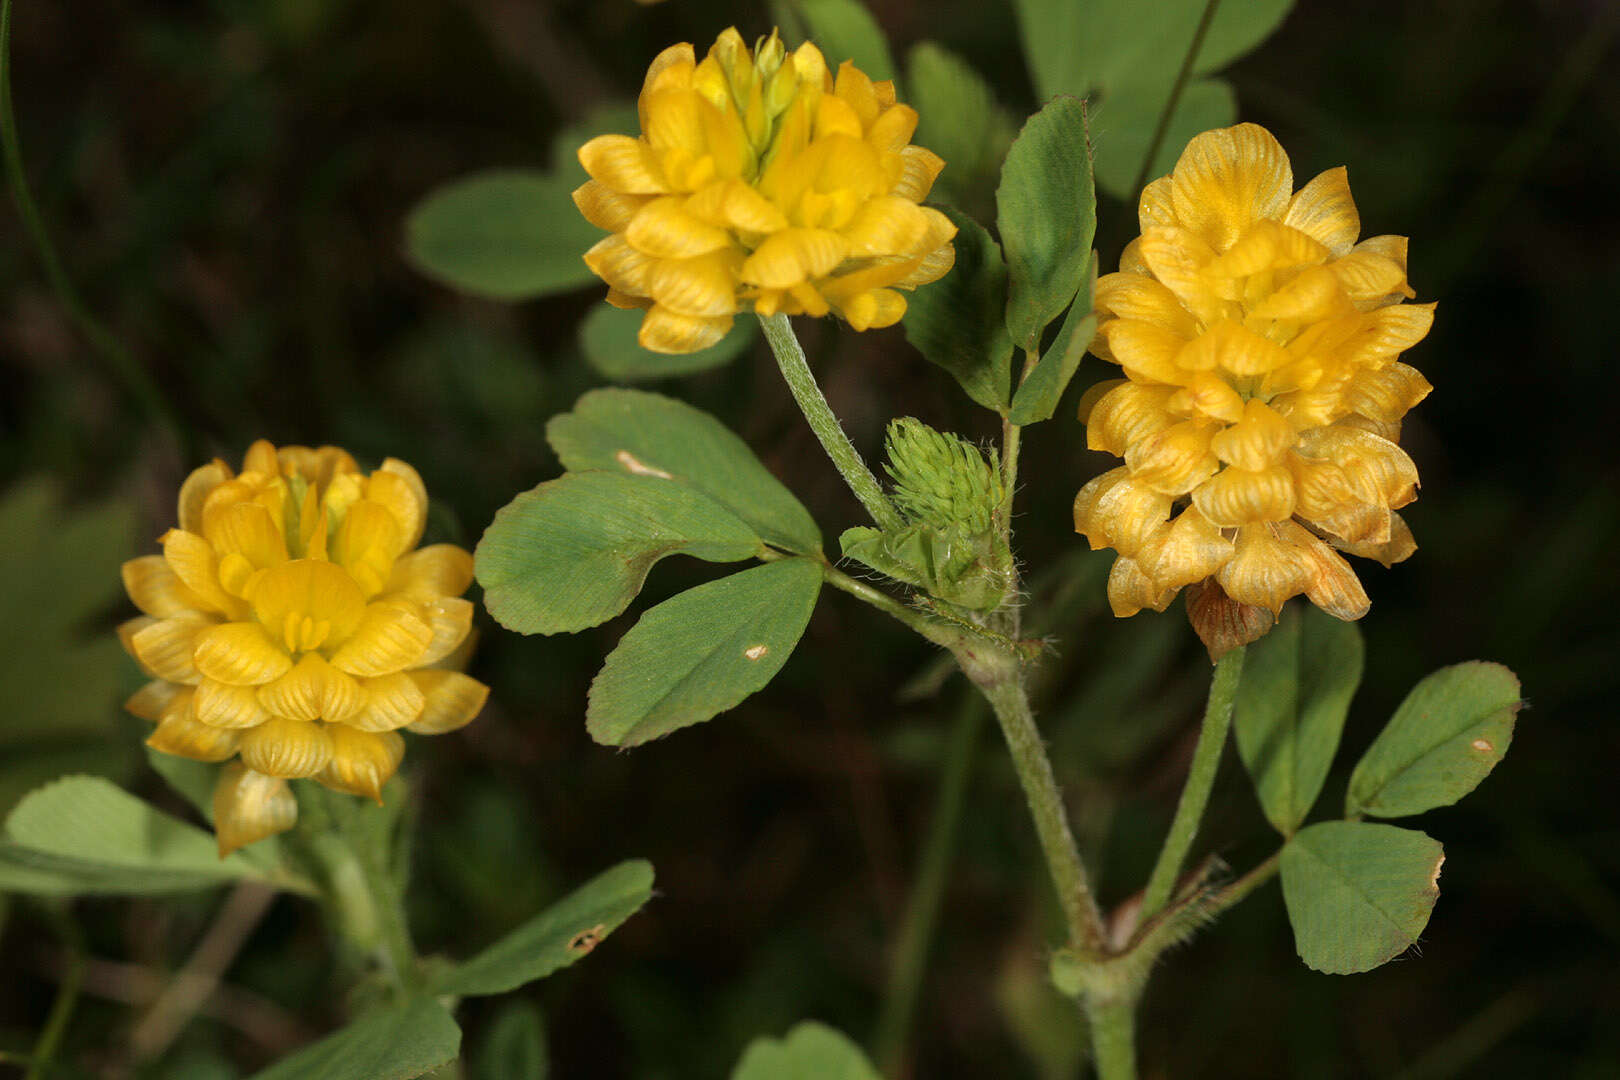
{"points": [[61, 667]]}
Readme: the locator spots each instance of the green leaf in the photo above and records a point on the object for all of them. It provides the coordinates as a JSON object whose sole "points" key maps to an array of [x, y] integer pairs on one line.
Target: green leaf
{"points": [[508, 234], [811, 1051], [394, 1045], [62, 672], [1444, 739], [1126, 122], [845, 30], [88, 835], [957, 118], [515, 1047], [607, 336], [1297, 684], [1129, 58], [1358, 893], [1081, 47], [702, 652], [575, 551], [556, 937], [618, 429], [957, 321], [1046, 212], [1038, 395]]}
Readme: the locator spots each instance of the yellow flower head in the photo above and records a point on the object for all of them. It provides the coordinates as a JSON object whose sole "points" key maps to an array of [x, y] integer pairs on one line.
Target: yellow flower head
{"points": [[290, 623], [1261, 348], [760, 182]]}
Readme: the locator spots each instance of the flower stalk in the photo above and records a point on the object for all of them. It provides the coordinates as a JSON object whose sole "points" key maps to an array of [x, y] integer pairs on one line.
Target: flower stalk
{"points": [[1200, 779], [802, 382]]}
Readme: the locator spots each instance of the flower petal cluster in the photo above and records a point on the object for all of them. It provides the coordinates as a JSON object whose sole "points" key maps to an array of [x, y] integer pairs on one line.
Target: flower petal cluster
{"points": [[1264, 389], [292, 623], [761, 182]]}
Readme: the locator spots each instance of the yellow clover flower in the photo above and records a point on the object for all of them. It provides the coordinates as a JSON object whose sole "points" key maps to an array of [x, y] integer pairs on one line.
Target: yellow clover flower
{"points": [[762, 183], [289, 623], [1261, 348]]}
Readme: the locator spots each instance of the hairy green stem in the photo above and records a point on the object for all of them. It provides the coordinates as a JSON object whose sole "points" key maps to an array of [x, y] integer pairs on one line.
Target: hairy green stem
{"points": [[1007, 696], [1182, 78], [364, 895], [928, 890], [1113, 1035], [800, 380], [1200, 778], [137, 382]]}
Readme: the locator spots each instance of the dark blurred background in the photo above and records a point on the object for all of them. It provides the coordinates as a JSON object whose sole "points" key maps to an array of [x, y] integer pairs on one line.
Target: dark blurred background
{"points": [[226, 182]]}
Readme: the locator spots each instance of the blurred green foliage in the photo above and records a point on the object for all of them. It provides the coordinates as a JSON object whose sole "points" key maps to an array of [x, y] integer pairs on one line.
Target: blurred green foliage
{"points": [[229, 184]]}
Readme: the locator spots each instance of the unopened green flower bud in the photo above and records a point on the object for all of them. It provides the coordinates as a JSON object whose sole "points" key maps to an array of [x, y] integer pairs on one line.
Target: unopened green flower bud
{"points": [[941, 480]]}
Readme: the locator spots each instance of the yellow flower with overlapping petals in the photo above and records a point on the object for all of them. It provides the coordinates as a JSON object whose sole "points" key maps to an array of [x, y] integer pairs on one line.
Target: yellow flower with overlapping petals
{"points": [[1264, 389], [292, 623], [761, 182]]}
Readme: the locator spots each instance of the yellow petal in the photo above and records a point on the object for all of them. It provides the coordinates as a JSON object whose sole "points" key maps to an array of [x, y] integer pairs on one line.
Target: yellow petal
{"points": [[873, 310], [1094, 395], [1156, 208], [181, 734], [919, 168], [1147, 352], [390, 637], [1139, 297], [1207, 394], [170, 648], [1126, 415], [412, 480], [1190, 550], [1087, 521], [319, 466], [1386, 465], [1317, 293], [151, 700], [307, 604], [1392, 248], [195, 491], [451, 700], [1332, 585], [1266, 245], [1235, 497], [408, 508], [1175, 460], [1263, 571], [1256, 442], [1131, 514], [312, 690], [1177, 258], [261, 457], [250, 806], [704, 286], [193, 562], [1130, 590], [222, 705], [606, 208], [1384, 395], [623, 267], [887, 225], [286, 748], [434, 571], [362, 762], [366, 543], [665, 229], [155, 588], [1324, 211], [624, 164], [241, 654], [389, 702], [1398, 548], [893, 128], [1389, 332], [665, 331], [1227, 179], [1233, 348], [1370, 280], [792, 256], [246, 529]]}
